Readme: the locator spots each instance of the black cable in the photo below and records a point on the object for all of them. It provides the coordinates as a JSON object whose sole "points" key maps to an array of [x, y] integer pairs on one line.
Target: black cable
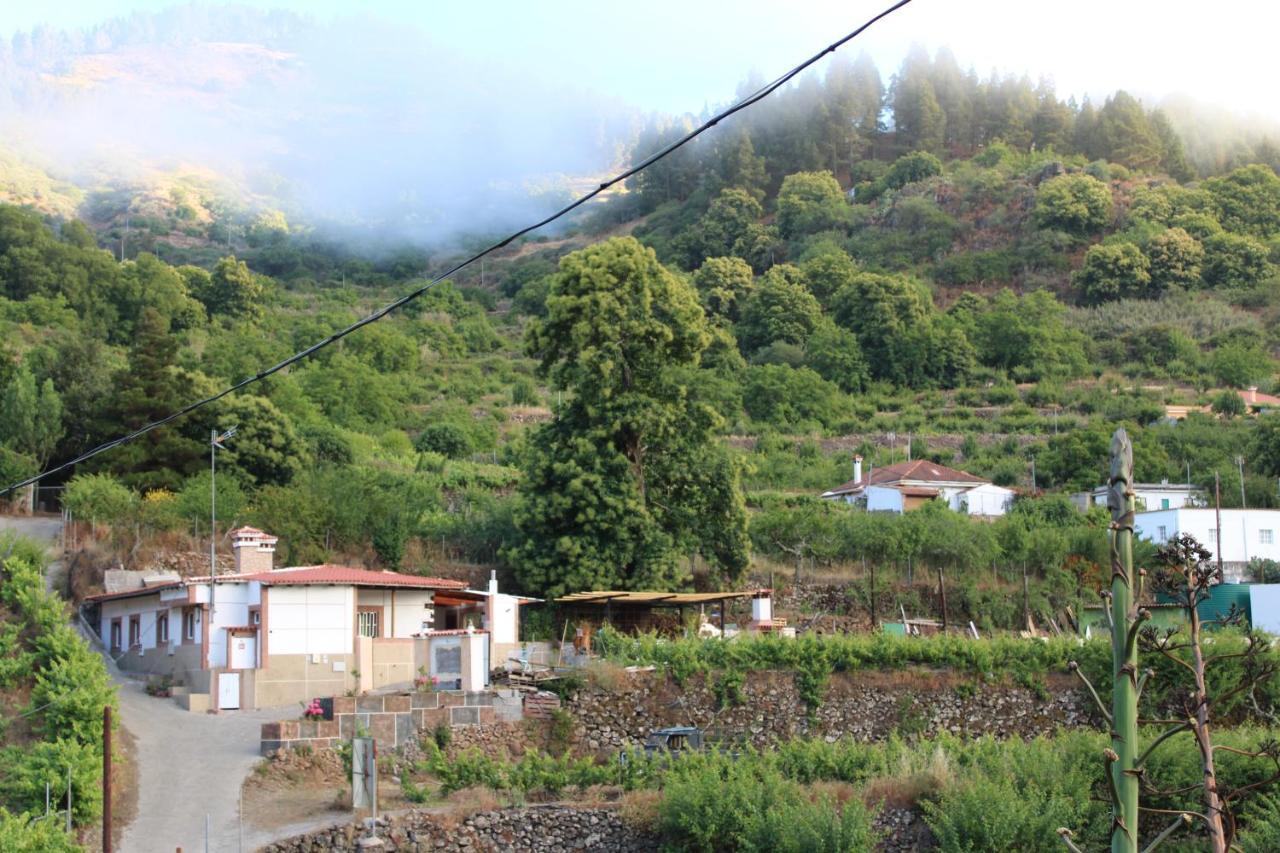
{"points": [[755, 97]]}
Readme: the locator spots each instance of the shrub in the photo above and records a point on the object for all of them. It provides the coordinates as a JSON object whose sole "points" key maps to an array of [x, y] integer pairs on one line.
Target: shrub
{"points": [[19, 835], [1078, 204], [99, 498], [449, 440]]}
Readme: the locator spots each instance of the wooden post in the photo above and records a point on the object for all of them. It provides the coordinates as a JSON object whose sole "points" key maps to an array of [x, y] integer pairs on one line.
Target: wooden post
{"points": [[874, 621], [942, 591], [106, 779]]}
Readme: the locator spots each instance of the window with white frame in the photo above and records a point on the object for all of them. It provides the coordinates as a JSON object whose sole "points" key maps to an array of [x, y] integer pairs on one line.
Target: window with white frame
{"points": [[1163, 534], [162, 628], [1266, 537], [368, 623], [189, 624]]}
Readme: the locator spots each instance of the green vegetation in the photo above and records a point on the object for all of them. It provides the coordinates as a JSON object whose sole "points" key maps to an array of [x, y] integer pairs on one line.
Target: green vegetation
{"points": [[57, 730], [979, 794]]}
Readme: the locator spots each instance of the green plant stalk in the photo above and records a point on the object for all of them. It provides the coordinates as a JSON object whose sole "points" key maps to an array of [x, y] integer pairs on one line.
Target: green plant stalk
{"points": [[1124, 653]]}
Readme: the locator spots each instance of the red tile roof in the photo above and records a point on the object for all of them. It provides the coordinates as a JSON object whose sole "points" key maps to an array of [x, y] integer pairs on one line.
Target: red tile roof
{"points": [[919, 470], [344, 575]]}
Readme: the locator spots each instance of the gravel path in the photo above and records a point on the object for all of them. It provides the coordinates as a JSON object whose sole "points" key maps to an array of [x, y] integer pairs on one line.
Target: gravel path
{"points": [[189, 765]]}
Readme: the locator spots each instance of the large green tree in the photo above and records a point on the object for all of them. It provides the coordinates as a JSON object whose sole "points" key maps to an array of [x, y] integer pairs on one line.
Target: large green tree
{"points": [[627, 478], [30, 416], [148, 389]]}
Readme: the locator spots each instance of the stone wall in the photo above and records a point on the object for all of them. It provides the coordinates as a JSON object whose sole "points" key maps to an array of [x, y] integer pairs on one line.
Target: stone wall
{"points": [[393, 719], [535, 829], [863, 705]]}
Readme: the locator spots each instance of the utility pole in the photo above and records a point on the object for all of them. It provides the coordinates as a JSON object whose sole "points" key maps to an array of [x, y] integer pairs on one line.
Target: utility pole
{"points": [[106, 779], [215, 442], [1217, 505], [1244, 526]]}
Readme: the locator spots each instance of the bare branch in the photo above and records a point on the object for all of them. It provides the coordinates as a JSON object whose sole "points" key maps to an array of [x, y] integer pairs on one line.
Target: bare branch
{"points": [[1183, 820], [1146, 753], [1102, 709]]}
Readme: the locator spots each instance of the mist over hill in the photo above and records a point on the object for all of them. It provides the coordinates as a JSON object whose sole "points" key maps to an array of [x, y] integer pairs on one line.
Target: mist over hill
{"points": [[353, 121]]}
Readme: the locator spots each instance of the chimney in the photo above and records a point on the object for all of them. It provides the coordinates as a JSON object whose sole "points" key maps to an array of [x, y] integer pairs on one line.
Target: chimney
{"points": [[1251, 394], [857, 468], [254, 550], [493, 581]]}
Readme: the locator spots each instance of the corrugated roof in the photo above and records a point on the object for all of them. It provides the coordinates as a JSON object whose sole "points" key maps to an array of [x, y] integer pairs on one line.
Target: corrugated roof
{"points": [[343, 575], [920, 470], [130, 593], [656, 599]]}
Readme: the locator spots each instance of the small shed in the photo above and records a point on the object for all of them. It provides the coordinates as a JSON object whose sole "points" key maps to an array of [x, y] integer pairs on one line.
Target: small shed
{"points": [[634, 611], [1221, 598]]}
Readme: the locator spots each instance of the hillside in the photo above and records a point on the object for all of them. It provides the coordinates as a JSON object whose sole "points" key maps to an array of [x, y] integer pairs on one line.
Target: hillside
{"points": [[961, 290]]}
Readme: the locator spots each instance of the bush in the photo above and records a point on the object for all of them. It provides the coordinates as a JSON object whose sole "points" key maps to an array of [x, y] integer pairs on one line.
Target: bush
{"points": [[719, 804], [19, 835], [449, 440], [99, 498], [1078, 204]]}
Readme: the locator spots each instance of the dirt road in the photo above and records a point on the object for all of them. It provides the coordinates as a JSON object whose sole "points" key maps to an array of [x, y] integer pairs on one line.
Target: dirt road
{"points": [[189, 766]]}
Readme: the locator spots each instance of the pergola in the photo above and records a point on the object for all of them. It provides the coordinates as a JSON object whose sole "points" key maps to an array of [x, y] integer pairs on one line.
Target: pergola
{"points": [[645, 601]]}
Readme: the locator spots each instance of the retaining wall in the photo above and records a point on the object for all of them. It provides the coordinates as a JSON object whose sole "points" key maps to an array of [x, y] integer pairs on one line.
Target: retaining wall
{"points": [[392, 719]]}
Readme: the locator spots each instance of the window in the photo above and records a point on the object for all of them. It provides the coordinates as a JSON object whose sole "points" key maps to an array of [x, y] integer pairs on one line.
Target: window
{"points": [[368, 623], [135, 631], [255, 617], [115, 635], [1266, 537], [1163, 535], [162, 628], [189, 624], [1213, 534]]}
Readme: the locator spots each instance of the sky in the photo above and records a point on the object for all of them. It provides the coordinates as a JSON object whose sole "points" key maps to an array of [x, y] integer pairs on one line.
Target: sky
{"points": [[673, 55]]}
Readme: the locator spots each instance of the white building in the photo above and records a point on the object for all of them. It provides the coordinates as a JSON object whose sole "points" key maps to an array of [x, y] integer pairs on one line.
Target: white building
{"points": [[264, 636], [1149, 496], [905, 486], [1247, 534]]}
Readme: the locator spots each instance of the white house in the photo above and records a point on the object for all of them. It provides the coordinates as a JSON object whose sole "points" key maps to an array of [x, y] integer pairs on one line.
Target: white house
{"points": [[1149, 496], [1247, 534], [265, 636], [905, 486]]}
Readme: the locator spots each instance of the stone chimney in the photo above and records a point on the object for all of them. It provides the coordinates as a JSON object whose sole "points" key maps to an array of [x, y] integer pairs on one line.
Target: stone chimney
{"points": [[254, 550], [857, 468]]}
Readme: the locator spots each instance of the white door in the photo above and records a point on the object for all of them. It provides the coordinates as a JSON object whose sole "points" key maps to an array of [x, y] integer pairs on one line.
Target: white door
{"points": [[244, 652], [228, 691]]}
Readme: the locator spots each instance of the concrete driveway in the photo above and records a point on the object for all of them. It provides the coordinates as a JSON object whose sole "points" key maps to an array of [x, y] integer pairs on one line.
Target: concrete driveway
{"points": [[189, 765]]}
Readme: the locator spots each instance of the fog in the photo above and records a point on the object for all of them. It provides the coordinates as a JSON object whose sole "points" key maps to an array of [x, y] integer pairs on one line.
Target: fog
{"points": [[353, 121]]}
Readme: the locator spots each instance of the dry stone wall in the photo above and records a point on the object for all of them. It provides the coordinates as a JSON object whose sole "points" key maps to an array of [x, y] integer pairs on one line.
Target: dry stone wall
{"points": [[867, 706], [538, 829]]}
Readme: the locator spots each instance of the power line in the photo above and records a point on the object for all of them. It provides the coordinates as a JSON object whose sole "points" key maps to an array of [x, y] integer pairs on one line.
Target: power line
{"points": [[759, 95]]}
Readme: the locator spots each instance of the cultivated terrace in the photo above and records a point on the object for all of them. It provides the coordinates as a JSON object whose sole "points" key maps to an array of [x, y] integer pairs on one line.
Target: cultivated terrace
{"points": [[970, 382]]}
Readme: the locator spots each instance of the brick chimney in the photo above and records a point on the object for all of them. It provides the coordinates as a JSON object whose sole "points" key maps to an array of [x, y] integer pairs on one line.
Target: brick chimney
{"points": [[254, 550]]}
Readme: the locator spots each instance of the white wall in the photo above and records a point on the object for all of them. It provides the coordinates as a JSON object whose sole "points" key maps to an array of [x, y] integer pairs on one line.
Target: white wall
{"points": [[1150, 500], [1264, 606], [1242, 530], [412, 607], [144, 606], [988, 499], [506, 614], [883, 499], [230, 602], [305, 620]]}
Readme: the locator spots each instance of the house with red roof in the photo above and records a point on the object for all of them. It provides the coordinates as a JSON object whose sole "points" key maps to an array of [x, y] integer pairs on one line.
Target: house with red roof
{"points": [[263, 636], [904, 486]]}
